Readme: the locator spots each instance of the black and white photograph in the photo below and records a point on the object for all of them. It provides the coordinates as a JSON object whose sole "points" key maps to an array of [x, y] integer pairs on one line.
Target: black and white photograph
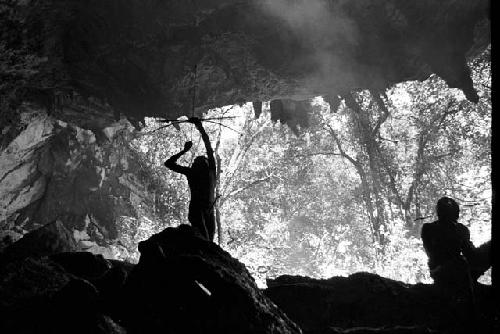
{"points": [[248, 166]]}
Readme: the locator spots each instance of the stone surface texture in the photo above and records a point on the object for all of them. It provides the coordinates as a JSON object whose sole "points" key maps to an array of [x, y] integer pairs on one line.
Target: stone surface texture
{"points": [[182, 284], [140, 57], [185, 284], [371, 301], [93, 182]]}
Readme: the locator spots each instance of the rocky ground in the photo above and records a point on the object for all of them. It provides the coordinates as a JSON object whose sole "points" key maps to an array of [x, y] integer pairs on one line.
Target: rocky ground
{"points": [[184, 284]]}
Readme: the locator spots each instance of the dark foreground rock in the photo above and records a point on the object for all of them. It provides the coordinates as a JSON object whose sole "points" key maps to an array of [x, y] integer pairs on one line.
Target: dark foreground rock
{"points": [[379, 330], [182, 284], [381, 305], [47, 287], [185, 284], [38, 296], [49, 239]]}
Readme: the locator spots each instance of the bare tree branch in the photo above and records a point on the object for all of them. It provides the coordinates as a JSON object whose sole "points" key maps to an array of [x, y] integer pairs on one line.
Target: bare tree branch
{"points": [[383, 117], [248, 186], [389, 140], [236, 159], [316, 153], [339, 146], [218, 162]]}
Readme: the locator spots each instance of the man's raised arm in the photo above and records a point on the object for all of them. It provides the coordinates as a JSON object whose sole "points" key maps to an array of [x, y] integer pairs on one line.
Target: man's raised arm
{"points": [[210, 152], [171, 162]]}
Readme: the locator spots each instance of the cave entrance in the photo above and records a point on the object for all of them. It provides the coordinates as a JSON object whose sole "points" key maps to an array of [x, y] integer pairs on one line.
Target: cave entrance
{"points": [[347, 193]]}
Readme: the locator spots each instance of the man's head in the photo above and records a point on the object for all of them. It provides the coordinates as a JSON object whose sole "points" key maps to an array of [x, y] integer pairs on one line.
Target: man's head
{"points": [[447, 209], [200, 163]]}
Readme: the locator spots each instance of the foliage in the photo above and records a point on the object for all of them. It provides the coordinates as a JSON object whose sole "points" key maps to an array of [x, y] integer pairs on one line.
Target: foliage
{"points": [[350, 192]]}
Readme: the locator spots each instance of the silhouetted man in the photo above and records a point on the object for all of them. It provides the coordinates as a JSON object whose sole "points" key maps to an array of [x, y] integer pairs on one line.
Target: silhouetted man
{"points": [[453, 259], [201, 179]]}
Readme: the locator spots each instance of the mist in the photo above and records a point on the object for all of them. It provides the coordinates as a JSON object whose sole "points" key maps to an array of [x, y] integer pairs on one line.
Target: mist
{"points": [[326, 31]]}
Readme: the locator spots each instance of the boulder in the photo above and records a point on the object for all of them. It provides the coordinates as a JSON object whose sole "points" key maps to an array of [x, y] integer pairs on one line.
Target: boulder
{"points": [[49, 239], [186, 284], [106, 276], [37, 295], [378, 303], [380, 330]]}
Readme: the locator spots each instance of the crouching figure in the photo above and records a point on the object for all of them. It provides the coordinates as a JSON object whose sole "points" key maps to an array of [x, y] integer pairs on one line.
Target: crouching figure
{"points": [[454, 261]]}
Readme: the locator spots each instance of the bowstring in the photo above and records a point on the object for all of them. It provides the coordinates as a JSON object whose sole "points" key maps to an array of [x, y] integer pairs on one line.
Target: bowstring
{"points": [[193, 100], [193, 97]]}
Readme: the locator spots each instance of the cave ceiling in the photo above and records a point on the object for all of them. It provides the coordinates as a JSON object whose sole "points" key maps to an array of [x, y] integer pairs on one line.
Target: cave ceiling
{"points": [[140, 56]]}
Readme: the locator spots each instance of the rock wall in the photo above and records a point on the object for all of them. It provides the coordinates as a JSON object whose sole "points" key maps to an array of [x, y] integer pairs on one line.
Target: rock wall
{"points": [[144, 57], [92, 182], [21, 181]]}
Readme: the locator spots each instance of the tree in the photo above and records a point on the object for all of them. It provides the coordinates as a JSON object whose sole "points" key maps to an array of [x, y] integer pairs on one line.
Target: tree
{"points": [[351, 191]]}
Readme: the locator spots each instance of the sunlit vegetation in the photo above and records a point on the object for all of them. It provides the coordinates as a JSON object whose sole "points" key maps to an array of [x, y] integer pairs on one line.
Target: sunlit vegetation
{"points": [[349, 193]]}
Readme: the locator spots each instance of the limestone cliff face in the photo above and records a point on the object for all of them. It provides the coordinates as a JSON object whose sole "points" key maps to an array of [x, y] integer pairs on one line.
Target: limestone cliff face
{"points": [[92, 182]]}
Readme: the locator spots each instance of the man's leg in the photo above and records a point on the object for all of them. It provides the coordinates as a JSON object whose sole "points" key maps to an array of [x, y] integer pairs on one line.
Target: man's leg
{"points": [[210, 224], [197, 221]]}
